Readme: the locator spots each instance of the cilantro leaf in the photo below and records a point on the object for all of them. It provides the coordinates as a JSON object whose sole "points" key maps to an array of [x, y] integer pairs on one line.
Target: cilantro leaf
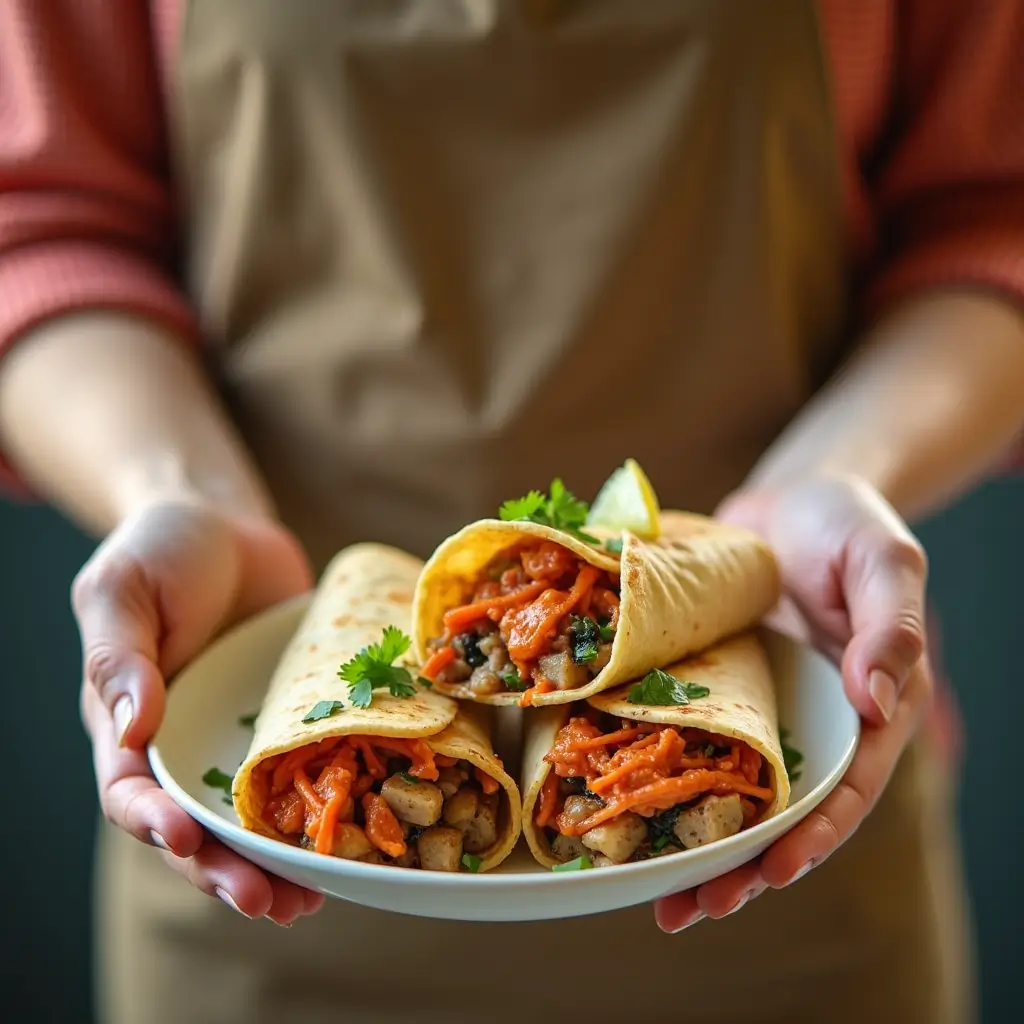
{"points": [[791, 757], [248, 721], [471, 862], [530, 505], [424, 681], [323, 709], [579, 864], [373, 669], [605, 631], [660, 689], [661, 842], [513, 680], [584, 637], [408, 777], [216, 779], [561, 511]]}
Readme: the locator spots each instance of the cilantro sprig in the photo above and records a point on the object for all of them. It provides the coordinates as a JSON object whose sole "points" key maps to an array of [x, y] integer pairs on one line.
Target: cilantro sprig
{"points": [[562, 510], [583, 863], [216, 779], [373, 668], [661, 689]]}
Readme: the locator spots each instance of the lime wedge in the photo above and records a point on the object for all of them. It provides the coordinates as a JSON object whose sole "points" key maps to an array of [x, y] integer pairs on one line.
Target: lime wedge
{"points": [[627, 501]]}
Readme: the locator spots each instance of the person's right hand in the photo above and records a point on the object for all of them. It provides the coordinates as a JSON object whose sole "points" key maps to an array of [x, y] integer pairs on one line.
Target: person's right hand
{"points": [[158, 589]]}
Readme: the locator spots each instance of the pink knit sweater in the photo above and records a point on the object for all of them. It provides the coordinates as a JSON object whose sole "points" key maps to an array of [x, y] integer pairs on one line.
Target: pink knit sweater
{"points": [[929, 96]]}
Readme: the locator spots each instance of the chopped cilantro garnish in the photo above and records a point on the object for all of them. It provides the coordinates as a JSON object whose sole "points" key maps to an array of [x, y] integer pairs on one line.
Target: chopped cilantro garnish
{"points": [[373, 669], [408, 777], [561, 511], [216, 779], [248, 721], [424, 681], [323, 709], [661, 842], [659, 688], [614, 545], [606, 631], [584, 637], [513, 680], [471, 862], [791, 757], [579, 864]]}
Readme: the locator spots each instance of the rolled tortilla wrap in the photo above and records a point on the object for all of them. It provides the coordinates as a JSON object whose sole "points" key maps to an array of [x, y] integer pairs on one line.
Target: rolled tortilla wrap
{"points": [[411, 762], [722, 772], [487, 633]]}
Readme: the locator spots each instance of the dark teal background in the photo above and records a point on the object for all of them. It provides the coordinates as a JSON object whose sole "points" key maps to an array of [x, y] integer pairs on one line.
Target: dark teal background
{"points": [[977, 552]]}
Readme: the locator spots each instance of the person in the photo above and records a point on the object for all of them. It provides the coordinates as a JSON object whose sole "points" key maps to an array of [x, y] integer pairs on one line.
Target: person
{"points": [[276, 278]]}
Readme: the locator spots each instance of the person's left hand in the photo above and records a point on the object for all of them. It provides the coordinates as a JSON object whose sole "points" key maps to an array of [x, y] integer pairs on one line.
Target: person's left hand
{"points": [[854, 587]]}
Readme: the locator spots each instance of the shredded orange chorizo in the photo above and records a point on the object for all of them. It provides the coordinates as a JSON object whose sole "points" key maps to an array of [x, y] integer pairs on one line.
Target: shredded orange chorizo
{"points": [[648, 768]]}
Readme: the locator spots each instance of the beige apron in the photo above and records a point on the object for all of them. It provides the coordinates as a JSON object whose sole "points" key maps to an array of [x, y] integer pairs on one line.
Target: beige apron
{"points": [[444, 250]]}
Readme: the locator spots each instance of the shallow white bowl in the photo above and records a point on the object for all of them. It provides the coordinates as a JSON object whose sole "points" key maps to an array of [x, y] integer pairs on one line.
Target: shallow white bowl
{"points": [[201, 730]]}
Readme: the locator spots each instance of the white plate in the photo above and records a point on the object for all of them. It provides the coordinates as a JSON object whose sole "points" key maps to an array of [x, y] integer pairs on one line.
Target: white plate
{"points": [[201, 730]]}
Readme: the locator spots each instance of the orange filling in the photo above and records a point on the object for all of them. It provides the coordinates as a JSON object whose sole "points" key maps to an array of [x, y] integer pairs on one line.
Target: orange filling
{"points": [[322, 788], [532, 601], [647, 768]]}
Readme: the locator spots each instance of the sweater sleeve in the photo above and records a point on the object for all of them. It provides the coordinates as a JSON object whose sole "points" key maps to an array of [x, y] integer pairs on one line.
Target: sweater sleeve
{"points": [[86, 216], [949, 188]]}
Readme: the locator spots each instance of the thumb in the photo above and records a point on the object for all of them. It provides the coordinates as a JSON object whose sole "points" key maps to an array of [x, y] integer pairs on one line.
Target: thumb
{"points": [[119, 623], [885, 574]]}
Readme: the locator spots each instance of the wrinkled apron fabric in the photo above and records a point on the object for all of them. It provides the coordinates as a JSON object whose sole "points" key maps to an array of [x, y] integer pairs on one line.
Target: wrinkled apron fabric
{"points": [[442, 251]]}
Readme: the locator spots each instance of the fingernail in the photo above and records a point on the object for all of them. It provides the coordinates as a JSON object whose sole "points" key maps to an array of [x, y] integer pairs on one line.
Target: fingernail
{"points": [[689, 924], [123, 715], [800, 874], [883, 692], [226, 897], [158, 840], [740, 903]]}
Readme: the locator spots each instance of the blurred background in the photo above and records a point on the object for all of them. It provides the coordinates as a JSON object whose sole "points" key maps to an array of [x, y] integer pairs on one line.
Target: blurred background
{"points": [[977, 555]]}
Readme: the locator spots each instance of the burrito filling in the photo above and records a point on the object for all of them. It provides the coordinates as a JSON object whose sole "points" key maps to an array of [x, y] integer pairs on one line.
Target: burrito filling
{"points": [[381, 800], [621, 790], [540, 619]]}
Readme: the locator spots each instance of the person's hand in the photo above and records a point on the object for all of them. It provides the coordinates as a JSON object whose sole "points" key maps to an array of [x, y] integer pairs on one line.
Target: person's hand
{"points": [[854, 586], [154, 593]]}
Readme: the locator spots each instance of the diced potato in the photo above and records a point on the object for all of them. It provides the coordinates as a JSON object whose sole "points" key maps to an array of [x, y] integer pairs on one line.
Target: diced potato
{"points": [[482, 831], [618, 839], [461, 808], [563, 671], [350, 842], [450, 779], [440, 849], [578, 808], [418, 802], [567, 848], [714, 818]]}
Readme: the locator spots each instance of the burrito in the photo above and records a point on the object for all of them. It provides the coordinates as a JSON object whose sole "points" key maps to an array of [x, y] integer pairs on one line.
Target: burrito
{"points": [[614, 780], [352, 757], [510, 612]]}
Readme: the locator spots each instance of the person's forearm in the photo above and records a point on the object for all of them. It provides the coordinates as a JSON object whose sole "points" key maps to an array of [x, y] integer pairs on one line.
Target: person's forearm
{"points": [[101, 412], [929, 404]]}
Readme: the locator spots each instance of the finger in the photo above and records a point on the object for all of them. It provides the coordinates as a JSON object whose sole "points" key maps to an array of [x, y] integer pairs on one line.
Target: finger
{"points": [[827, 827], [120, 628], [677, 912], [130, 797], [729, 892], [221, 873], [884, 581]]}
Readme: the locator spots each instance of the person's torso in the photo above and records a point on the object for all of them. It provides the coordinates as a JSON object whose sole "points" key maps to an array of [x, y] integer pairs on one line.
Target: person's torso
{"points": [[445, 251]]}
